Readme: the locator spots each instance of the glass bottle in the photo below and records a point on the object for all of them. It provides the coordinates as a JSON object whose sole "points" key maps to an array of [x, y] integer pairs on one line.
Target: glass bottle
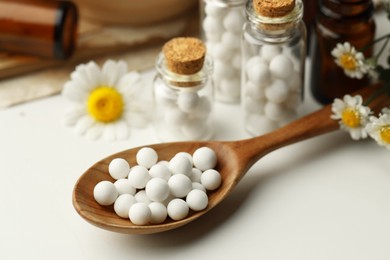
{"points": [[274, 52], [183, 102], [38, 27], [339, 21], [221, 29]]}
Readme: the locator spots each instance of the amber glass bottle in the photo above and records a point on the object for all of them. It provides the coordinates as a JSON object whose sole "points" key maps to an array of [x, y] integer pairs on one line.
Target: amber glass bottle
{"points": [[45, 28], [338, 21]]}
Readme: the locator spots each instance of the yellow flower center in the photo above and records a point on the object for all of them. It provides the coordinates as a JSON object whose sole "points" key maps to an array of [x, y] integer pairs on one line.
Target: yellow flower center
{"points": [[105, 104], [385, 134], [350, 117], [348, 61]]}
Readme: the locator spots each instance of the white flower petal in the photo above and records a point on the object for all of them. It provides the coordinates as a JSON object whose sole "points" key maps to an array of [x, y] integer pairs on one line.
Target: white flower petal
{"points": [[83, 124], [72, 92], [95, 131], [89, 74], [109, 133], [121, 130], [112, 72], [73, 115], [130, 83]]}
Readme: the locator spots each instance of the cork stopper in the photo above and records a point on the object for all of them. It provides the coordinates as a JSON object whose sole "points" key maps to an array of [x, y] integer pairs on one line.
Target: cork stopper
{"points": [[184, 55], [273, 8]]}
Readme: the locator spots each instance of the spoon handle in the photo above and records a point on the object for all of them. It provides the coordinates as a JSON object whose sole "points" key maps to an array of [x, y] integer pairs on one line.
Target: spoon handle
{"points": [[311, 125]]}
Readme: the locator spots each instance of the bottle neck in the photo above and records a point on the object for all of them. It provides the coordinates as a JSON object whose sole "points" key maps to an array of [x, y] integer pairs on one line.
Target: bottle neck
{"points": [[346, 8], [274, 25]]}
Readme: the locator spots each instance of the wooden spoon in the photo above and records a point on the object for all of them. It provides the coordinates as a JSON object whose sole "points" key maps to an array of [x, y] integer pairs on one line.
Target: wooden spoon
{"points": [[234, 160]]}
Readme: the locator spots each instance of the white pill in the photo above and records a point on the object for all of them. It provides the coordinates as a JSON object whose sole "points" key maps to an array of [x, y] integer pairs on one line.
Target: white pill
{"points": [[212, 25], [123, 186], [140, 213], [197, 200], [255, 106], [222, 70], [274, 111], [158, 212], [277, 91], [195, 175], [230, 87], [212, 38], [187, 101], [231, 39], [254, 91], [260, 124], [175, 116], [157, 189], [177, 209], [236, 60], [146, 157], [203, 109], [267, 52], [179, 185], [198, 186], [160, 170], [180, 164], [294, 100], [211, 179], [214, 9], [138, 176], [123, 204], [204, 158], [222, 52], [141, 196], [252, 62], [188, 155], [281, 66], [105, 193], [234, 20], [259, 74], [118, 168]]}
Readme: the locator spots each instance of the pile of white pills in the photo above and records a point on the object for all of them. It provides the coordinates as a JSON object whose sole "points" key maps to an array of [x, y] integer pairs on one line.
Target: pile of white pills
{"points": [[222, 26], [272, 89], [183, 114], [153, 190]]}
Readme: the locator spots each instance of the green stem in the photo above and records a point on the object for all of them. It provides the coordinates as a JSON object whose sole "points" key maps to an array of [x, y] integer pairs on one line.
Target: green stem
{"points": [[376, 94], [383, 37]]}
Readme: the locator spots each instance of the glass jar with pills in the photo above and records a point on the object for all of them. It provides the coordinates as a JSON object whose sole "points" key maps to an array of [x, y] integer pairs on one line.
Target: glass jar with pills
{"points": [[273, 64], [183, 91], [221, 29]]}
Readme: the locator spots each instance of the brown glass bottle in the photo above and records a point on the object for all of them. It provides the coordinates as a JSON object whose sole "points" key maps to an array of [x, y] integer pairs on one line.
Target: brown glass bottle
{"points": [[46, 28], [338, 21]]}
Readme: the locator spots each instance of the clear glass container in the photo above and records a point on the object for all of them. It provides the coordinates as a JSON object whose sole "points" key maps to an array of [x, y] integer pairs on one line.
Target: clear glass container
{"points": [[273, 65], [183, 103], [221, 29]]}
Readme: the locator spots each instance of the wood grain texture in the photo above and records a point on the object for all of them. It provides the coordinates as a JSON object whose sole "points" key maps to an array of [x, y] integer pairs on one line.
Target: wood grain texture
{"points": [[234, 159]]}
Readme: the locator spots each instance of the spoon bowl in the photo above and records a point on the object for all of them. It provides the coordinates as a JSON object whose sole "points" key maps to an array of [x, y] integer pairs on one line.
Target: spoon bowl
{"points": [[234, 160]]}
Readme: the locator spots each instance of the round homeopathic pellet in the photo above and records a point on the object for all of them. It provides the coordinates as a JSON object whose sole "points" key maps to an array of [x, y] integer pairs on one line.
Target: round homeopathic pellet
{"points": [[159, 212], [177, 209], [197, 200], [122, 205], [105, 193], [211, 179], [146, 157], [140, 213], [123, 186], [118, 168], [204, 158], [281, 66], [160, 170], [180, 164], [179, 185], [157, 189], [187, 101], [139, 176], [141, 196]]}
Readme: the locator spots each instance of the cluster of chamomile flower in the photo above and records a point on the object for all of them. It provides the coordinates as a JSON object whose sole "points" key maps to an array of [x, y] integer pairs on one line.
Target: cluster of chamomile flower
{"points": [[353, 112]]}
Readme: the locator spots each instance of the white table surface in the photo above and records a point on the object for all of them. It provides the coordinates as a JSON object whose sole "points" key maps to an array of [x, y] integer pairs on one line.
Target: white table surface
{"points": [[325, 198]]}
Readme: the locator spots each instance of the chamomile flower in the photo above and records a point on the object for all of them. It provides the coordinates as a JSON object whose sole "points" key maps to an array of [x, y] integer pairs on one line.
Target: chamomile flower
{"points": [[350, 60], [352, 115], [379, 128], [106, 102]]}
